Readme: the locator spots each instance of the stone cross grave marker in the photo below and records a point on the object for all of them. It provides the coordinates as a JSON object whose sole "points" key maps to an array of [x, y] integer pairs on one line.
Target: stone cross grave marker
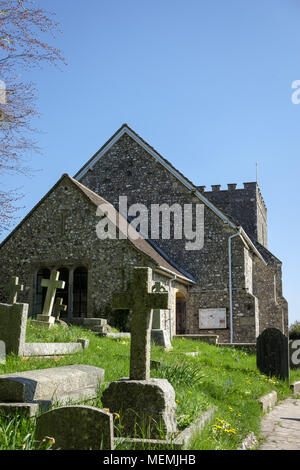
{"points": [[52, 284], [272, 353], [13, 289], [140, 299], [59, 307]]}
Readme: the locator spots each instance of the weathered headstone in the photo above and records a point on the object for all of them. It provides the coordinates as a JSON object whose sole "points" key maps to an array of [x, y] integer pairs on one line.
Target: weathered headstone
{"points": [[146, 406], [46, 320], [76, 428], [272, 354], [13, 320]]}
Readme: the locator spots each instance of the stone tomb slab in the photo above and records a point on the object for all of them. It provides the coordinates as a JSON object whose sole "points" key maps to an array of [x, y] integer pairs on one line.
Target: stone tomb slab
{"points": [[147, 407], [48, 386], [76, 428]]}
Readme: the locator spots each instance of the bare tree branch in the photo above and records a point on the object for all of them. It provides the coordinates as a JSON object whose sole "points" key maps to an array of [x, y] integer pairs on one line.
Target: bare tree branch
{"points": [[21, 47]]}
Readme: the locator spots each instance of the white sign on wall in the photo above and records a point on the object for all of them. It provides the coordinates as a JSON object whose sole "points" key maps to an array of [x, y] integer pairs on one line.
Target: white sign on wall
{"points": [[212, 318]]}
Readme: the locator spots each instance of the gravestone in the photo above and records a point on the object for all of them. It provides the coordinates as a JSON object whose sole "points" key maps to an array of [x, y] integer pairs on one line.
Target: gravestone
{"points": [[13, 289], [140, 300], [146, 406], [46, 320], [159, 335], [76, 428], [272, 354], [13, 320], [58, 308]]}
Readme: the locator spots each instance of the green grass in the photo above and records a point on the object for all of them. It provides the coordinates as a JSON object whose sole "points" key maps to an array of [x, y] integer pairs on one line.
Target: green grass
{"points": [[224, 377]]}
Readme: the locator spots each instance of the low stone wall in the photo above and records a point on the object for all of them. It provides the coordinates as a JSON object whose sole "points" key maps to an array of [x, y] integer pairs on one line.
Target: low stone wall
{"points": [[268, 401]]}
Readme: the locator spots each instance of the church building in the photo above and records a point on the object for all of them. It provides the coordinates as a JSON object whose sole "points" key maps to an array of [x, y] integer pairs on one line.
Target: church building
{"points": [[128, 206]]}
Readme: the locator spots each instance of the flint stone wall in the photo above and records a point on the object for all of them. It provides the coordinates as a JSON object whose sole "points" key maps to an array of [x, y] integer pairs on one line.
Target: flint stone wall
{"points": [[128, 170], [39, 242]]}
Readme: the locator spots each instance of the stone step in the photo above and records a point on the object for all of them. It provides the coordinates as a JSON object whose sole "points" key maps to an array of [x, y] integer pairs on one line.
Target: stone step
{"points": [[46, 386]]}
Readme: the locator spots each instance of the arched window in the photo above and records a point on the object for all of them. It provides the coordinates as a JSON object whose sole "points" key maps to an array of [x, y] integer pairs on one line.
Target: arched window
{"points": [[80, 292], [40, 293]]}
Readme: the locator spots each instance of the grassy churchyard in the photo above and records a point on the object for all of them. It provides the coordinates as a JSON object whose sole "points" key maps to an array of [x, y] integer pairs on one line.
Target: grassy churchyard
{"points": [[215, 376]]}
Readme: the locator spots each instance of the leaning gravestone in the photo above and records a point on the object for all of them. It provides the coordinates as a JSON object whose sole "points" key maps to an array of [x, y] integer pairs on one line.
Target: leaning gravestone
{"points": [[272, 354], [146, 406], [76, 428], [13, 318], [46, 320]]}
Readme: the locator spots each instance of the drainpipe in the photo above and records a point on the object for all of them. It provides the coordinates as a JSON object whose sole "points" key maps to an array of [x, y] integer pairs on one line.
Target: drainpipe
{"points": [[170, 317], [230, 281]]}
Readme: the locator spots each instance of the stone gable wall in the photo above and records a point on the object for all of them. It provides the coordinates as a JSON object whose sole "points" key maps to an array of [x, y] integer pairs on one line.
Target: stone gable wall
{"points": [[39, 242], [128, 170]]}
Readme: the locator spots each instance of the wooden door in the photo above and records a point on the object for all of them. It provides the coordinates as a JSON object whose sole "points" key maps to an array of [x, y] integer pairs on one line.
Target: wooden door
{"points": [[180, 316]]}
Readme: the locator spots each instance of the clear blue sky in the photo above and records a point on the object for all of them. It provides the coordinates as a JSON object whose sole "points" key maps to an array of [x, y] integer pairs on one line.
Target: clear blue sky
{"points": [[207, 83]]}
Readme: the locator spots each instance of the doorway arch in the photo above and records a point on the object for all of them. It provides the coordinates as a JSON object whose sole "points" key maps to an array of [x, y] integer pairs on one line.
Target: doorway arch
{"points": [[180, 313]]}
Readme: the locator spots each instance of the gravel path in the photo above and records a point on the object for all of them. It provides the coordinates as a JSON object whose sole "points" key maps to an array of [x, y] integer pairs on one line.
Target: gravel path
{"points": [[281, 427]]}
